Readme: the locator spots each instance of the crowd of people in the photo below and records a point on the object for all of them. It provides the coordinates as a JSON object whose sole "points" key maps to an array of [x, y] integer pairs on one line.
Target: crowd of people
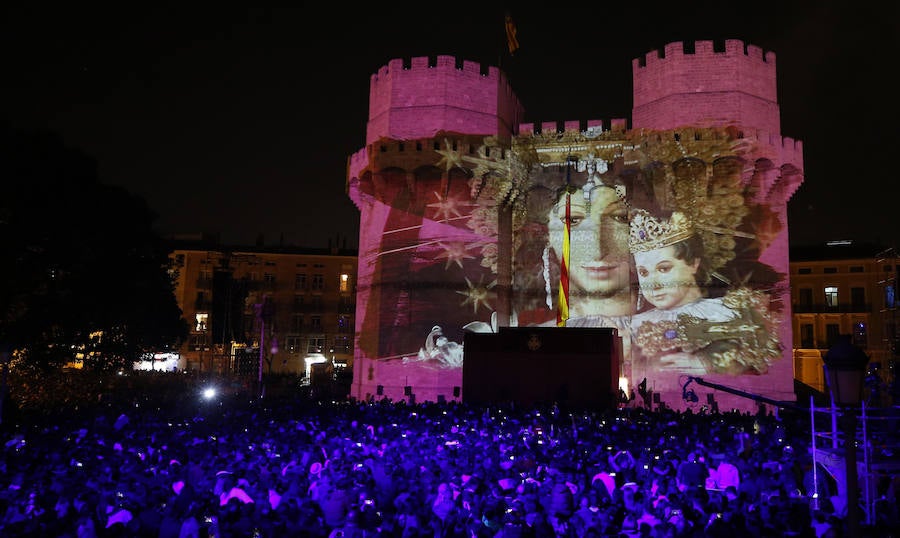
{"points": [[175, 463]]}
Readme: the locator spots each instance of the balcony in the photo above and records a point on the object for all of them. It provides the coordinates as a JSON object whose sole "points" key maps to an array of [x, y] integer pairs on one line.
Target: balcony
{"points": [[823, 308]]}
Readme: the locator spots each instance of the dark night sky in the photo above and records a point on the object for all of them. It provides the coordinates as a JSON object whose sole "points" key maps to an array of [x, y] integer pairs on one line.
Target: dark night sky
{"points": [[239, 121]]}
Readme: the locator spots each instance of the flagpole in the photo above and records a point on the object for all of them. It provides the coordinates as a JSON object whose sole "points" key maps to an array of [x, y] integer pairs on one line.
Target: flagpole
{"points": [[562, 313]]}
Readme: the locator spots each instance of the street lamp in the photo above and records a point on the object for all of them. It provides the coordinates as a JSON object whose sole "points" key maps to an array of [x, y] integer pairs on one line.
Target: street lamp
{"points": [[845, 371]]}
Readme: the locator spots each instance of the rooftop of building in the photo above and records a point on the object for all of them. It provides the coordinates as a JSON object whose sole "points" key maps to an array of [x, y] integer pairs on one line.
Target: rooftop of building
{"points": [[840, 250], [212, 242]]}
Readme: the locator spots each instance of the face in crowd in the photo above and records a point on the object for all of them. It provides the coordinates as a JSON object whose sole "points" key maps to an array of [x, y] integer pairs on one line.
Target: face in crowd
{"points": [[599, 260], [666, 278]]}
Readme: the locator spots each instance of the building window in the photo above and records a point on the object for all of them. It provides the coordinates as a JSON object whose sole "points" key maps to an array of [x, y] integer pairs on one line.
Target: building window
{"points": [[204, 279], [292, 344], [315, 323], [342, 344], [890, 334], [269, 279], [346, 304], [297, 323], [858, 299], [298, 302], [831, 296], [860, 334], [345, 283], [316, 305], [248, 324], [318, 282], [807, 340], [856, 269], [202, 302], [315, 345], [804, 271], [344, 324], [200, 321], [199, 342], [829, 270], [832, 331], [805, 298], [300, 281]]}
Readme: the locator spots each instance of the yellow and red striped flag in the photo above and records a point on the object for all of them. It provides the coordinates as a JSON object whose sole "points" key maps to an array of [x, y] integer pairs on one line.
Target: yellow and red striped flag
{"points": [[511, 40], [562, 311]]}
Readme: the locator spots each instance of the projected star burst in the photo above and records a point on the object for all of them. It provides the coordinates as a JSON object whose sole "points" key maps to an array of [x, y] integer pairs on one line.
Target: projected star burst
{"points": [[477, 294], [454, 252], [450, 158], [446, 208]]}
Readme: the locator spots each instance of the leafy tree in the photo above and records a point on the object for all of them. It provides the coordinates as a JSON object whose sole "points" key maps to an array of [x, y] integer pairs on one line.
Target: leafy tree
{"points": [[82, 269]]}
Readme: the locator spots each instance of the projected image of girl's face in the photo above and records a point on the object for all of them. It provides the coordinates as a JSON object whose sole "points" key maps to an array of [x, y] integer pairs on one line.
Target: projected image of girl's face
{"points": [[599, 260], [666, 280]]}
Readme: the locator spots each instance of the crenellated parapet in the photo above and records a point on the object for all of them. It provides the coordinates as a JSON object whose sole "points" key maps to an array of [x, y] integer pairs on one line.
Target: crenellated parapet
{"points": [[734, 48], [705, 85], [589, 128], [572, 135], [738, 67], [356, 163], [419, 98], [417, 167]]}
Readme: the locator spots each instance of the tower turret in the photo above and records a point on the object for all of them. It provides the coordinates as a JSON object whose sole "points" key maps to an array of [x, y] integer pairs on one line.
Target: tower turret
{"points": [[706, 87], [425, 98]]}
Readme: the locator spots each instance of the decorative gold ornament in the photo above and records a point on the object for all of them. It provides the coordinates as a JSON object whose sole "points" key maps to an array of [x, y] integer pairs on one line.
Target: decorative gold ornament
{"points": [[649, 233]]}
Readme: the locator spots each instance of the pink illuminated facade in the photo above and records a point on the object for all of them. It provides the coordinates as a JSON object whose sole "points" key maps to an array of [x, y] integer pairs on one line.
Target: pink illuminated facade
{"points": [[461, 203]]}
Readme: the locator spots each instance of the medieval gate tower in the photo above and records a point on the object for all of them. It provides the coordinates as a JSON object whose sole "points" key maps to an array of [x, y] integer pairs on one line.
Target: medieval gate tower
{"points": [[449, 191]]}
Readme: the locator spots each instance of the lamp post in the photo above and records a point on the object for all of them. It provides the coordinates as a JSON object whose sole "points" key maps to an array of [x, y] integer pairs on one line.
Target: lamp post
{"points": [[845, 370]]}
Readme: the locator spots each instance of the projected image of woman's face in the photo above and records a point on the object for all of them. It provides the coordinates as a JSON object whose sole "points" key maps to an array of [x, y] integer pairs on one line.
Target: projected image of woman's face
{"points": [[599, 263]]}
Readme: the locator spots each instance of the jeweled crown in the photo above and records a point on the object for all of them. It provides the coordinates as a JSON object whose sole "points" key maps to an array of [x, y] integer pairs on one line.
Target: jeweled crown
{"points": [[650, 233]]}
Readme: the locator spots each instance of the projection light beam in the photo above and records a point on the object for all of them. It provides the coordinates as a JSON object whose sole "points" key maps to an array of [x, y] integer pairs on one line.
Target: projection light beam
{"points": [[410, 247], [418, 226]]}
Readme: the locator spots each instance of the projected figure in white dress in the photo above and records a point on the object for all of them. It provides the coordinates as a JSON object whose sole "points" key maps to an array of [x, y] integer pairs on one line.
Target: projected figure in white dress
{"points": [[687, 331]]}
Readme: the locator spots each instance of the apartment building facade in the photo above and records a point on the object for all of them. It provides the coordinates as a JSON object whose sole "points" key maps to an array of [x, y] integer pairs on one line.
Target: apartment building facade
{"points": [[843, 288], [285, 308]]}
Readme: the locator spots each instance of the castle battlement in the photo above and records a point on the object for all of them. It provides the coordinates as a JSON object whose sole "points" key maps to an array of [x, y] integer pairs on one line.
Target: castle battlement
{"points": [[424, 96], [683, 85], [704, 50], [569, 126], [762, 144], [444, 64], [357, 162]]}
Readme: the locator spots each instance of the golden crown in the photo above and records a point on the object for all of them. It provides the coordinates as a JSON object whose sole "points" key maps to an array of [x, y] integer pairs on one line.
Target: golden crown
{"points": [[650, 233]]}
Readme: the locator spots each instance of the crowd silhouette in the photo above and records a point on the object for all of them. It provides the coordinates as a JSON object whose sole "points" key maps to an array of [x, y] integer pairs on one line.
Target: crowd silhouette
{"points": [[153, 457]]}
